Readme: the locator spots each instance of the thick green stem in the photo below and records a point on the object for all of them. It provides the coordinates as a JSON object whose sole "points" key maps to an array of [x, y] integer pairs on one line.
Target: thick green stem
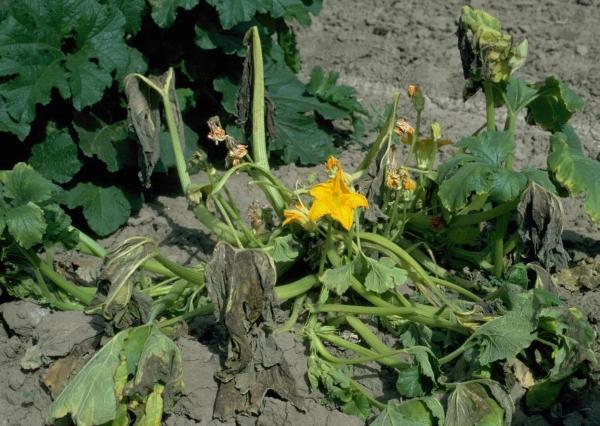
{"points": [[406, 312], [188, 274], [288, 291], [259, 140], [490, 108], [475, 218], [204, 310], [373, 341], [180, 163], [221, 231], [498, 244], [291, 321], [383, 136], [83, 294], [455, 354], [510, 126]]}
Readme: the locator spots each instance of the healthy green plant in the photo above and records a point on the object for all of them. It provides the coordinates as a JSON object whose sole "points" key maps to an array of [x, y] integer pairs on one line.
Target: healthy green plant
{"points": [[362, 243], [62, 65]]}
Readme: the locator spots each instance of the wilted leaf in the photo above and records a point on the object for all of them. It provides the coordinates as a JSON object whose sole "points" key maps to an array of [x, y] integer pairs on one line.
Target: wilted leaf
{"points": [[144, 116], [470, 405], [56, 157], [540, 227], [105, 209], [120, 264], [574, 171], [154, 408], [416, 412], [243, 298], [90, 397], [505, 336], [384, 275], [554, 105]]}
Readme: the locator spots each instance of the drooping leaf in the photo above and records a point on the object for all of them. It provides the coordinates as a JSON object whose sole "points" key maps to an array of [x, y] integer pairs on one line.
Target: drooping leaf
{"points": [[554, 105], [230, 41], [154, 408], [23, 184], [9, 124], [110, 143], [416, 412], [542, 395], [58, 229], [505, 336], [338, 279], [470, 405], [104, 208], [164, 12], [487, 53], [574, 171], [384, 275], [26, 224], [90, 396], [70, 45], [540, 227], [56, 158]]}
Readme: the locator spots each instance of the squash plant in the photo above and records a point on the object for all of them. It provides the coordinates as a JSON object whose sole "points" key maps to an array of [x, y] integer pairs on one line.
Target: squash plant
{"points": [[352, 256]]}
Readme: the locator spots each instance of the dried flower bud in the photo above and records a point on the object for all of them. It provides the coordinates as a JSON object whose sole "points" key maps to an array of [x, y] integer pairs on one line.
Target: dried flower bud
{"points": [[409, 185], [235, 155], [393, 179], [404, 130], [255, 216], [412, 90], [332, 163], [216, 132]]}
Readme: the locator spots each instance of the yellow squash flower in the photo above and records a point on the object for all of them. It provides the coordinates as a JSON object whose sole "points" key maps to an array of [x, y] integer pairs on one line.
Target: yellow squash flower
{"points": [[335, 199]]}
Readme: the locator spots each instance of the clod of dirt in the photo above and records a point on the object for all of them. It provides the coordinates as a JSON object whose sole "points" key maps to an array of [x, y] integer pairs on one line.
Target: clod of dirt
{"points": [[240, 284], [22, 317], [58, 334], [278, 412], [586, 276]]}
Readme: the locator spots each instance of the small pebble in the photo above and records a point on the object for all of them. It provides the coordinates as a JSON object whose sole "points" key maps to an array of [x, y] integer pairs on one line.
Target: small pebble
{"points": [[581, 49]]}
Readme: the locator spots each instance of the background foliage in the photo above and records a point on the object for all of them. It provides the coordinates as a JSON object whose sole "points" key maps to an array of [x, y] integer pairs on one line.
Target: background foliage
{"points": [[62, 108]]}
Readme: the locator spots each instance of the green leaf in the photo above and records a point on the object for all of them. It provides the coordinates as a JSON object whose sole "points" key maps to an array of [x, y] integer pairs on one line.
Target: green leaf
{"points": [[542, 395], [358, 406], [70, 45], [384, 275], [415, 412], [233, 12], [26, 224], [507, 185], [518, 93], [133, 10], [164, 12], [554, 105], [324, 86], [540, 177], [574, 171], [471, 178], [491, 148], [90, 396], [8, 124], [505, 336], [229, 90], [56, 158], [338, 279], [105, 209], [408, 383], [58, 229], [470, 405], [23, 184], [230, 41], [110, 143]]}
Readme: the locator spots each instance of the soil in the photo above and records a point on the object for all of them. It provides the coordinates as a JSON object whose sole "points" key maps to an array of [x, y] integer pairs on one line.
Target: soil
{"points": [[378, 47]]}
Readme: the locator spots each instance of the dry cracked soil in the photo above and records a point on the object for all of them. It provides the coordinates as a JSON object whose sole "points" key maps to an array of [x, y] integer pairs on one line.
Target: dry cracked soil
{"points": [[378, 47]]}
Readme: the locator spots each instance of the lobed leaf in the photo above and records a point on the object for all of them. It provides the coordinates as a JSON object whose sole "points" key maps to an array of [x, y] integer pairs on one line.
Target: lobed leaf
{"points": [[554, 105], [338, 279], [573, 170], [26, 224], [23, 184], [164, 12], [416, 412], [384, 275], [107, 142], [56, 158], [105, 209]]}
